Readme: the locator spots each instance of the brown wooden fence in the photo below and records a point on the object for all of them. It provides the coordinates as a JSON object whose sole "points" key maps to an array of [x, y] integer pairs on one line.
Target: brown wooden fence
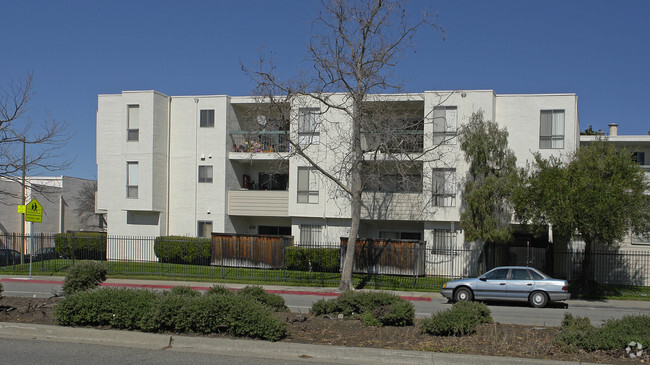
{"points": [[387, 256], [240, 250]]}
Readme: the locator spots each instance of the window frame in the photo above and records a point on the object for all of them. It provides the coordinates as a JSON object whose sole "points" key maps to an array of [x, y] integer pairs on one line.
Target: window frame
{"points": [[443, 241], [207, 178], [310, 195], [206, 118], [309, 133], [132, 176], [446, 190], [132, 123], [549, 136], [449, 124], [203, 224], [311, 234]]}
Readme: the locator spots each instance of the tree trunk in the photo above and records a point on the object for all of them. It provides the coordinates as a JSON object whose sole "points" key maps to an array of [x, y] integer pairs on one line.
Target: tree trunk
{"points": [[587, 274]]}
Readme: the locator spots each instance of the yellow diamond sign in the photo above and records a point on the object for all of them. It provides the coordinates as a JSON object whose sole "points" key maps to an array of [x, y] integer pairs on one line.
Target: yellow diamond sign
{"points": [[34, 211]]}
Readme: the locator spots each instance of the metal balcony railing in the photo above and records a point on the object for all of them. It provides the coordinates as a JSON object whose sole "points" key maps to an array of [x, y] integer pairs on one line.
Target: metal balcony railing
{"points": [[259, 141]]}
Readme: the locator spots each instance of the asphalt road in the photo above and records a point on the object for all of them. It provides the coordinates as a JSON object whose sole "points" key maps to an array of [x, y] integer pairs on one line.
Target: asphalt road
{"points": [[425, 303]]}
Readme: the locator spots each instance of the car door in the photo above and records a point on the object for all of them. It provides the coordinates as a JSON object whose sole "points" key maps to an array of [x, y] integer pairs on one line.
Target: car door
{"points": [[519, 284], [492, 285]]}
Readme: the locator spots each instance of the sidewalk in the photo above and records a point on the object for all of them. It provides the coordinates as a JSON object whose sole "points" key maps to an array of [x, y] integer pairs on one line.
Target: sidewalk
{"points": [[262, 349]]}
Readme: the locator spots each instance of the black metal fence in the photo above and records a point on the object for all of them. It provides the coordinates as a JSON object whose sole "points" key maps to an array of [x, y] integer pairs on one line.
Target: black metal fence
{"points": [[313, 264]]}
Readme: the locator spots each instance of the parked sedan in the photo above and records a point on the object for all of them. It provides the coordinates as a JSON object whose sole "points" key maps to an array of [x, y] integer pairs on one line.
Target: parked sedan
{"points": [[46, 253], [9, 257], [516, 283]]}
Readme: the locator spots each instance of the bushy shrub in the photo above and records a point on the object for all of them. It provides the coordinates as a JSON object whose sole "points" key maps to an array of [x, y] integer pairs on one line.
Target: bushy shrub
{"points": [[578, 332], [461, 319], [82, 245], [184, 291], [213, 314], [158, 312], [115, 307], [84, 275], [256, 293], [183, 250], [312, 259], [373, 308], [218, 290]]}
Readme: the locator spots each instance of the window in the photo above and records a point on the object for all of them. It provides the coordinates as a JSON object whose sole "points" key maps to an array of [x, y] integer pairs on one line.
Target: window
{"points": [[310, 234], [519, 274], [131, 179], [308, 126], [207, 118], [307, 185], [274, 230], [639, 157], [133, 123], [551, 129], [205, 174], [498, 274], [204, 229], [443, 241], [445, 123], [444, 187]]}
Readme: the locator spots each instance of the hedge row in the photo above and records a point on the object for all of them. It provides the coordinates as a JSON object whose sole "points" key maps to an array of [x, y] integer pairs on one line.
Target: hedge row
{"points": [[183, 250], [312, 259], [578, 332], [82, 245], [179, 311]]}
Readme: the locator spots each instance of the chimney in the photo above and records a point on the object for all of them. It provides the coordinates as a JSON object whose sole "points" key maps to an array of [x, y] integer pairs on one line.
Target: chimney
{"points": [[613, 129]]}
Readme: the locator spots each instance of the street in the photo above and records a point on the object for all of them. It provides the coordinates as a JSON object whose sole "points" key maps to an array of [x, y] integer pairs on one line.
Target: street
{"points": [[301, 299]]}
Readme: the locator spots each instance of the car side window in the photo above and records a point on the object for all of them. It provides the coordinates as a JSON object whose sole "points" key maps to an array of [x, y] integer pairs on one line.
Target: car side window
{"points": [[500, 274], [535, 275], [519, 274]]}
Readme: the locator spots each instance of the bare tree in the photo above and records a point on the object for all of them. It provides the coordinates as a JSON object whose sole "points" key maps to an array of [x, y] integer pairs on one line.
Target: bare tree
{"points": [[355, 47], [21, 148], [85, 208]]}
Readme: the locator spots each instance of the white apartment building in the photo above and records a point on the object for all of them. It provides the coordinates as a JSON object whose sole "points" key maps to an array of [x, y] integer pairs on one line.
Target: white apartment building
{"points": [[191, 165]]}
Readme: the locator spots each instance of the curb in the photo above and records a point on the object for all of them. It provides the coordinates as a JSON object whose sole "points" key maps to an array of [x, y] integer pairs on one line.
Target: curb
{"points": [[251, 348]]}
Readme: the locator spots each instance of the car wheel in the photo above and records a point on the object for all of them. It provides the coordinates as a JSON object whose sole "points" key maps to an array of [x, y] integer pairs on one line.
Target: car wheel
{"points": [[538, 299], [463, 295]]}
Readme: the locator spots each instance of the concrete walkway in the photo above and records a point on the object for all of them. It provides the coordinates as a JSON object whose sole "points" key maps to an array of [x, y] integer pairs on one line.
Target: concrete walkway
{"points": [[254, 348]]}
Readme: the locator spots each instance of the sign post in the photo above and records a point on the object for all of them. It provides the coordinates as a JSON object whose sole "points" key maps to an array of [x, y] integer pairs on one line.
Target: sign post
{"points": [[33, 213]]}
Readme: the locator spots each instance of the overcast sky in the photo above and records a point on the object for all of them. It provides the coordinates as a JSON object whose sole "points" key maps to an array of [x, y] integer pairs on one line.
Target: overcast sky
{"points": [[599, 50]]}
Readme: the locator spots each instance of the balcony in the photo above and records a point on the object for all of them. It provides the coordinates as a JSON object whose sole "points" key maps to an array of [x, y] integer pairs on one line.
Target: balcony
{"points": [[258, 203], [398, 141], [259, 141]]}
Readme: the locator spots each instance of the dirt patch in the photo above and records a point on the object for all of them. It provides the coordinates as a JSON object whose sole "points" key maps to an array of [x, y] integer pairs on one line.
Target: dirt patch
{"points": [[491, 339]]}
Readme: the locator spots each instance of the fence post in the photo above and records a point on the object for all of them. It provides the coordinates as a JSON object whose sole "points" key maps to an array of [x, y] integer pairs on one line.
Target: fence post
{"points": [[416, 251], [283, 246], [162, 250], [74, 248]]}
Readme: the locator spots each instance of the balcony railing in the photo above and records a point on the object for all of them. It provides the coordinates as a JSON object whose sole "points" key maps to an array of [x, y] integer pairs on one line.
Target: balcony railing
{"points": [[398, 141], [259, 141]]}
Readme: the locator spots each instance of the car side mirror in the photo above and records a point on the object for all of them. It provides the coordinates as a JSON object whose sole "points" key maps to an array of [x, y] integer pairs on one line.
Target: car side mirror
{"points": [[482, 278]]}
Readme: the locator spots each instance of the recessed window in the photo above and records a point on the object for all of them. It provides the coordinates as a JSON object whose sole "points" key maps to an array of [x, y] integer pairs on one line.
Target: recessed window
{"points": [[445, 124], [444, 187], [205, 174], [307, 185], [204, 229], [207, 118], [308, 126], [133, 123], [551, 129], [443, 242], [132, 179], [639, 157], [310, 234]]}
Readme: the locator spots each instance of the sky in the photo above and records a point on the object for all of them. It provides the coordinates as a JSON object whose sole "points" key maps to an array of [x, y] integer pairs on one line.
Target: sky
{"points": [[599, 50]]}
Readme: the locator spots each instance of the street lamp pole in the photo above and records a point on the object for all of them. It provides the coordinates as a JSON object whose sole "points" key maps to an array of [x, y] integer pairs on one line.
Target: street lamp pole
{"points": [[22, 221]]}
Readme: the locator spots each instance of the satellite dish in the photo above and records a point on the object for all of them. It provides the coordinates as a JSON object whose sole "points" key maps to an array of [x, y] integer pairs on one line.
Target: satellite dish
{"points": [[261, 120]]}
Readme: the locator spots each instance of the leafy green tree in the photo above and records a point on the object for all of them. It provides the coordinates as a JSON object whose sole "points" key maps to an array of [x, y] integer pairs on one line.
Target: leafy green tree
{"points": [[600, 194], [490, 180]]}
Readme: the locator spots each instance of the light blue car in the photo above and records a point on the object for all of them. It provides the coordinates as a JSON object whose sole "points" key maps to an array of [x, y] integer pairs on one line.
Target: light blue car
{"points": [[517, 283]]}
